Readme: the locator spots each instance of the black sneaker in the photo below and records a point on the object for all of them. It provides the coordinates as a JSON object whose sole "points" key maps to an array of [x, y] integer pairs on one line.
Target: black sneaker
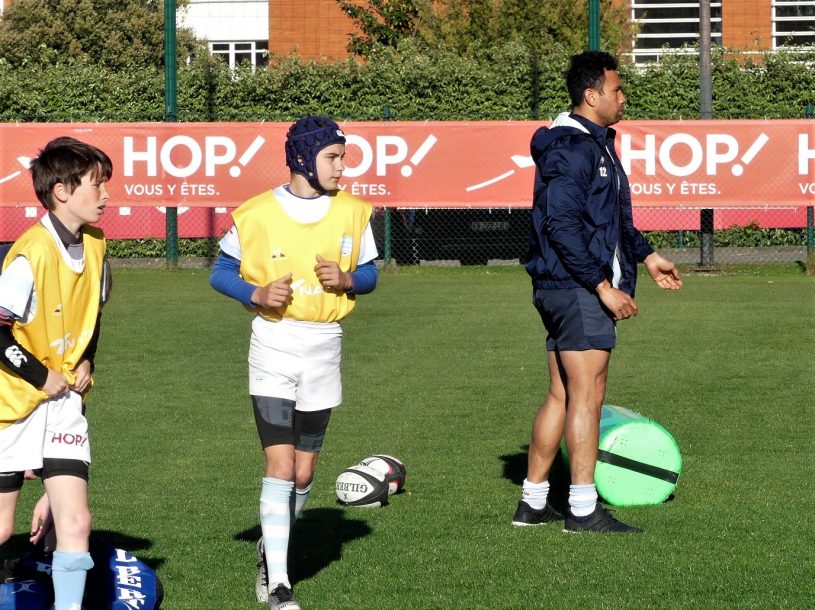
{"points": [[599, 521], [262, 581], [526, 515], [282, 598]]}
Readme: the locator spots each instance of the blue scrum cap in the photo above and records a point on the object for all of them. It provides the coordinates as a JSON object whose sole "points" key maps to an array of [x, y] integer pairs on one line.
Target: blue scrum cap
{"points": [[306, 138]]}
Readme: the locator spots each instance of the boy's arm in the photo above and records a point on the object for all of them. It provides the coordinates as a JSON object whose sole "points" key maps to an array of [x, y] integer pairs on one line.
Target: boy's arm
{"points": [[364, 278], [17, 285], [226, 279], [16, 357]]}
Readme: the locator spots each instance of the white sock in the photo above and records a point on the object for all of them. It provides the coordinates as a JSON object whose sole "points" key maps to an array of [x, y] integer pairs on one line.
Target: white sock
{"points": [[275, 523], [582, 499], [535, 494]]}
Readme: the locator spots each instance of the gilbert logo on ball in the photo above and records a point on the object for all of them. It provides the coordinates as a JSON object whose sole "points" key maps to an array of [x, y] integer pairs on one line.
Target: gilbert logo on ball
{"points": [[362, 486]]}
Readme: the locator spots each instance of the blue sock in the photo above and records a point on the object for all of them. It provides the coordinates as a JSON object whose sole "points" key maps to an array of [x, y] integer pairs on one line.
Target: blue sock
{"points": [[275, 523], [68, 571]]}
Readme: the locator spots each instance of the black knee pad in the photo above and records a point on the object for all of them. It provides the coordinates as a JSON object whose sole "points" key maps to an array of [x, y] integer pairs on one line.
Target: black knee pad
{"points": [[11, 481], [52, 467]]}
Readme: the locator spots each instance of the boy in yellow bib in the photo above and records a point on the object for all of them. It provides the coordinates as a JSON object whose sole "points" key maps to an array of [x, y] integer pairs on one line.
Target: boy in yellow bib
{"points": [[297, 256], [53, 284]]}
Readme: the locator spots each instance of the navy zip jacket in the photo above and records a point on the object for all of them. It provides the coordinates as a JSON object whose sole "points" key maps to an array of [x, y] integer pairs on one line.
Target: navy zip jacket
{"points": [[581, 209]]}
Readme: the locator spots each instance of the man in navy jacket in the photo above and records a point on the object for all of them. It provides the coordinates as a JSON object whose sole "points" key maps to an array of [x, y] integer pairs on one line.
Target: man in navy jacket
{"points": [[583, 255]]}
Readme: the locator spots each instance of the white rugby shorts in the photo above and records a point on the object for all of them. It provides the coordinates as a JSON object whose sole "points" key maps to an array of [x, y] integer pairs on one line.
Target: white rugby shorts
{"points": [[297, 361], [55, 429]]}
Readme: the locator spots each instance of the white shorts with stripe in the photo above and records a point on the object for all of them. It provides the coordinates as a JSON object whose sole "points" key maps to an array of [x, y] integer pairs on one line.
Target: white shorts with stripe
{"points": [[57, 428], [298, 361]]}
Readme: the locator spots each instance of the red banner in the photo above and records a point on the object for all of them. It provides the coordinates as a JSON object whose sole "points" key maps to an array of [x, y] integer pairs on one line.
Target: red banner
{"points": [[671, 164]]}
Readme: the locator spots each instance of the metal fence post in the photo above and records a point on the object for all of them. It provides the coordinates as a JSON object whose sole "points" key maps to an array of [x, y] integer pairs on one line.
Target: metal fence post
{"points": [[386, 116], [706, 236], [170, 110], [810, 114], [594, 25]]}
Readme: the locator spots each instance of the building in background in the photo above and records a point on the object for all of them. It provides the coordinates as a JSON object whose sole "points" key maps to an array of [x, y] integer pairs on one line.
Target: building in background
{"points": [[244, 30], [313, 29], [236, 30], [750, 26], [318, 29]]}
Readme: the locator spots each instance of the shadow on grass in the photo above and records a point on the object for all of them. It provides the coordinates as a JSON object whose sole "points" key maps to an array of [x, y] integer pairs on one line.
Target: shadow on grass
{"points": [[559, 477], [317, 540], [18, 545]]}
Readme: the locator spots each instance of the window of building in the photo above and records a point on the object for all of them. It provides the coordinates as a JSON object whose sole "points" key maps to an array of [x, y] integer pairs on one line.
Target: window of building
{"points": [[665, 26], [793, 23], [254, 53]]}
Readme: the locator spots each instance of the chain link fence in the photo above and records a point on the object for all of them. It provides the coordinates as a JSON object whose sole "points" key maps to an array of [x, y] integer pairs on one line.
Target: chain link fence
{"points": [[453, 237], [499, 236]]}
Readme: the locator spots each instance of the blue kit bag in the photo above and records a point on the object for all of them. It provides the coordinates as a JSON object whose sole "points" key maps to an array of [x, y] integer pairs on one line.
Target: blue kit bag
{"points": [[117, 581]]}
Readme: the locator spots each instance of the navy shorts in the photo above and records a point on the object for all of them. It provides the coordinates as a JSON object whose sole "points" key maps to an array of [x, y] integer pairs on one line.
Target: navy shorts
{"points": [[575, 320]]}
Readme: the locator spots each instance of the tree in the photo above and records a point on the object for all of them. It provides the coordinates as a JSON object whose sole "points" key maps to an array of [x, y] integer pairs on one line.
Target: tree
{"points": [[469, 27], [540, 25], [112, 33], [381, 22]]}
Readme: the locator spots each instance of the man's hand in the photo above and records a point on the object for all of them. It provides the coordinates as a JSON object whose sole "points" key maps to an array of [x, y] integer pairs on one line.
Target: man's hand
{"points": [[620, 304], [330, 275], [274, 294], [55, 384], [663, 272], [82, 376]]}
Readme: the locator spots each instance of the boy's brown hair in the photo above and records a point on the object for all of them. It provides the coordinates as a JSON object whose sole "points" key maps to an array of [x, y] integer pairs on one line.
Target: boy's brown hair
{"points": [[65, 160]]}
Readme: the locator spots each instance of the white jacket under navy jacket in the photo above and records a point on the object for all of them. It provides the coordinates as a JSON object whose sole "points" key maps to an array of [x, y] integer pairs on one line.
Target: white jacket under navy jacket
{"points": [[581, 209]]}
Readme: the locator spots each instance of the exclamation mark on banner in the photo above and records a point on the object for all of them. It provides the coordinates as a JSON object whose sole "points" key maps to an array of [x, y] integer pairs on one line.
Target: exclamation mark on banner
{"points": [[417, 157], [751, 153], [235, 170]]}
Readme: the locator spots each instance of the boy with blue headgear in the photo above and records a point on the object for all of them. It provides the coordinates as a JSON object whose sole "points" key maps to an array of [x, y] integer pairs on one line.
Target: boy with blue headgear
{"points": [[297, 256]]}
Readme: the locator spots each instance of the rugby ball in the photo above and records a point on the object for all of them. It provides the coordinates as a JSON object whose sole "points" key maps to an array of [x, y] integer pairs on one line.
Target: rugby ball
{"points": [[393, 469], [362, 486]]}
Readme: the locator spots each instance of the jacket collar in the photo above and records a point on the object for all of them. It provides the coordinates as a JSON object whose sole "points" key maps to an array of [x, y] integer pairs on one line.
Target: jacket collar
{"points": [[600, 133]]}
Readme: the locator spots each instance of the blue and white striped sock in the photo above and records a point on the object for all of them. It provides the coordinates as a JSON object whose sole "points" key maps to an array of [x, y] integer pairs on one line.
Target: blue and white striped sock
{"points": [[298, 501], [68, 572], [275, 523]]}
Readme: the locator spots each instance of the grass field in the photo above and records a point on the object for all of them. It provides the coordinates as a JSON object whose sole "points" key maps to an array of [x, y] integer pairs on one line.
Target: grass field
{"points": [[444, 368]]}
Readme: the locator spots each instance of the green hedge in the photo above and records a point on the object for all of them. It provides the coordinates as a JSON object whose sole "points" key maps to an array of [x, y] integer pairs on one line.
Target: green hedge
{"points": [[748, 236], [505, 83]]}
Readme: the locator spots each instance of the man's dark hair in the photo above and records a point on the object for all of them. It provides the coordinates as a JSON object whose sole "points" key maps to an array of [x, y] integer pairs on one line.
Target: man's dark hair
{"points": [[587, 71], [65, 160]]}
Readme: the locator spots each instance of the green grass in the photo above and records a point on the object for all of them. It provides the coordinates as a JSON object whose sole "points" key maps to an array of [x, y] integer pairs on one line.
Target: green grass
{"points": [[444, 368]]}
